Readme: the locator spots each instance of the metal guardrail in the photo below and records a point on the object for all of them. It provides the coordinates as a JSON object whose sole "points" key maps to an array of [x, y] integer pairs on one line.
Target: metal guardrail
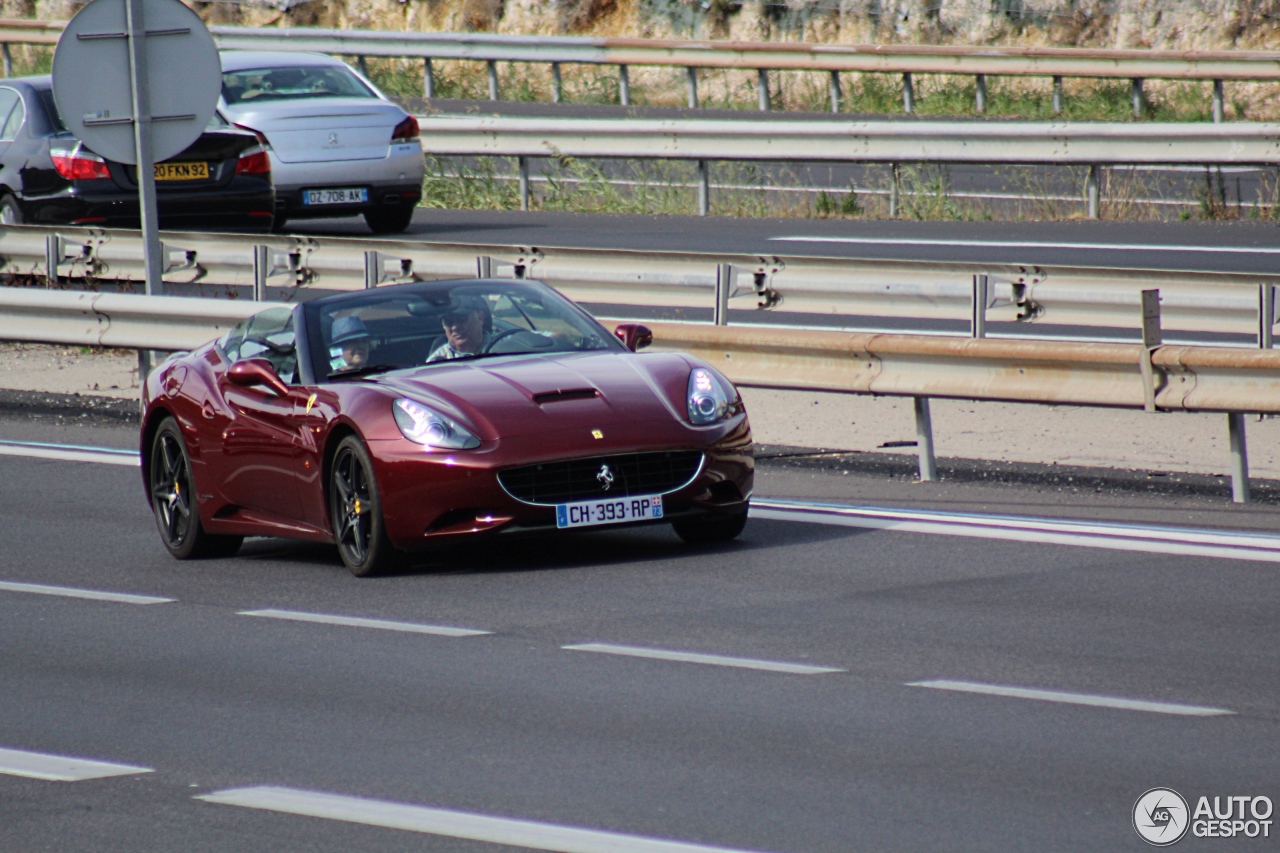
{"points": [[784, 289], [1093, 144], [1148, 375], [979, 62]]}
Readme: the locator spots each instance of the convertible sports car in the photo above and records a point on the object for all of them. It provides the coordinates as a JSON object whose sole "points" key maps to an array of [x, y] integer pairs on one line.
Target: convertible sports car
{"points": [[391, 419]]}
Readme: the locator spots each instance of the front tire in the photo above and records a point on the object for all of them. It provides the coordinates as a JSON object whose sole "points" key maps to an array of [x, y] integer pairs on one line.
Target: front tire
{"points": [[392, 220], [355, 511], [173, 500], [711, 530]]}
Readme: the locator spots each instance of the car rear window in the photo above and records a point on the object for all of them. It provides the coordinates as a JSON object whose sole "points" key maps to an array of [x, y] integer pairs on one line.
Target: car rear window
{"points": [[51, 110], [295, 82]]}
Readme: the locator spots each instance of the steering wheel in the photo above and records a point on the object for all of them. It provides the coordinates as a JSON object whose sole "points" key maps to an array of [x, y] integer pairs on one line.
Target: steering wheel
{"points": [[505, 333]]}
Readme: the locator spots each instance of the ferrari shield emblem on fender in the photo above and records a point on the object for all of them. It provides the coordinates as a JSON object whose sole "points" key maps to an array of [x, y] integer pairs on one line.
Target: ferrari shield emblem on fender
{"points": [[605, 478], [311, 401], [595, 433]]}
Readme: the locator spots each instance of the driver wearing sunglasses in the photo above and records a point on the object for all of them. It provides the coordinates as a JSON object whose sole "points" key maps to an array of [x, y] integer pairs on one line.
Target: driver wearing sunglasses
{"points": [[468, 328]]}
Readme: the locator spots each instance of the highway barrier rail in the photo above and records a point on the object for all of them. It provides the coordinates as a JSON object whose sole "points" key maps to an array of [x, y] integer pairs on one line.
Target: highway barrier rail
{"points": [[761, 57], [1092, 144], [1150, 374]]}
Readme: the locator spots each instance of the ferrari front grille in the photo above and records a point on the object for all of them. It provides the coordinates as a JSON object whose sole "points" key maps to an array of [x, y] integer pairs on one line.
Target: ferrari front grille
{"points": [[622, 475]]}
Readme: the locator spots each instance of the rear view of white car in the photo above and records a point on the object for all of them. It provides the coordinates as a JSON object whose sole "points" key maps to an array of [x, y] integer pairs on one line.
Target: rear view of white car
{"points": [[338, 146]]}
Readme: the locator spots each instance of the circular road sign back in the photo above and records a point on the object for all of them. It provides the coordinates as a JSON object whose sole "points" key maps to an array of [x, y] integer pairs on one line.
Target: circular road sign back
{"points": [[92, 85]]}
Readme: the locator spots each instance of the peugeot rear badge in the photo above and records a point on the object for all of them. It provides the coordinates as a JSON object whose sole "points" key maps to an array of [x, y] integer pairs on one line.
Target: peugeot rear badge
{"points": [[605, 477]]}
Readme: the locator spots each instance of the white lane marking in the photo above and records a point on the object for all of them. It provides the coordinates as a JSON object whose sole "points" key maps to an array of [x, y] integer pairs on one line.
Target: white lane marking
{"points": [[473, 827], [357, 622], [1153, 540], [59, 768], [1073, 698], [70, 453], [692, 657], [1031, 244], [72, 592]]}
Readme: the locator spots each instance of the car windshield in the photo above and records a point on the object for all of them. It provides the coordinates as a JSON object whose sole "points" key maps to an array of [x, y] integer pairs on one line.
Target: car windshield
{"points": [[434, 323], [294, 82]]}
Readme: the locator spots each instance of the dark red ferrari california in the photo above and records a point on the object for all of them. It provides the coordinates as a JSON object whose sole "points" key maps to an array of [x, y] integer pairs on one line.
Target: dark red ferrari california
{"points": [[391, 419]]}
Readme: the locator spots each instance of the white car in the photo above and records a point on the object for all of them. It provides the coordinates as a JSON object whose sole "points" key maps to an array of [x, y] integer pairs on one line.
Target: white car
{"points": [[338, 146]]}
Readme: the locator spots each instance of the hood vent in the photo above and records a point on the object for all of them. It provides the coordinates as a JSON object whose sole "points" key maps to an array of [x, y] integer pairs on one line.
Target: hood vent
{"points": [[569, 394]]}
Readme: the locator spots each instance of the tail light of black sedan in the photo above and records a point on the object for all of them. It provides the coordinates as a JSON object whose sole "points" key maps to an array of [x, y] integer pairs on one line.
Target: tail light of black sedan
{"points": [[79, 164], [254, 161]]}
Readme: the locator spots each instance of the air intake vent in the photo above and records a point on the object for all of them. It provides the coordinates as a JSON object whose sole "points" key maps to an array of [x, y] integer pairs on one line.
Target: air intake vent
{"points": [[559, 396], [553, 483]]}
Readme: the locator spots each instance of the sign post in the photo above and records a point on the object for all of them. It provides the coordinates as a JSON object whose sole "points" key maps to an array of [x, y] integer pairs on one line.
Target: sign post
{"points": [[109, 98]]}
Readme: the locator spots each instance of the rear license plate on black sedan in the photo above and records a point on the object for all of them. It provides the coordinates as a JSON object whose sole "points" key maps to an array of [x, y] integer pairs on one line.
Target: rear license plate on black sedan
{"points": [[609, 511], [182, 171], [348, 195]]}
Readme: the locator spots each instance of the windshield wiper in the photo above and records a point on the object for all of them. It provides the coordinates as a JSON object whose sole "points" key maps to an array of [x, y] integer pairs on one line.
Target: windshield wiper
{"points": [[363, 370]]}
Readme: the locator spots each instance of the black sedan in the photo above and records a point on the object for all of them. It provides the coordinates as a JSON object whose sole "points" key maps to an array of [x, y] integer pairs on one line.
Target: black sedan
{"points": [[48, 177]]}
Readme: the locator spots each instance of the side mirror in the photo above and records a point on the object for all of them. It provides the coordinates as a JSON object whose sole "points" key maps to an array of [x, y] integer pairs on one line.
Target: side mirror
{"points": [[256, 371], [635, 336]]}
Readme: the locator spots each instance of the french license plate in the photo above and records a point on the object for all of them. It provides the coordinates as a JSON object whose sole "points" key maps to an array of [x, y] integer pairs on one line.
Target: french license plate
{"points": [[182, 171], [348, 195], [609, 511]]}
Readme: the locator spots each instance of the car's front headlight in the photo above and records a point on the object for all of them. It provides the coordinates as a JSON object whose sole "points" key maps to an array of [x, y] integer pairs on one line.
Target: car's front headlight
{"points": [[424, 425], [708, 398]]}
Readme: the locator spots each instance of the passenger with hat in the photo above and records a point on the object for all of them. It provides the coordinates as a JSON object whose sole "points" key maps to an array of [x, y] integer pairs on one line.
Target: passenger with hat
{"points": [[349, 346]]}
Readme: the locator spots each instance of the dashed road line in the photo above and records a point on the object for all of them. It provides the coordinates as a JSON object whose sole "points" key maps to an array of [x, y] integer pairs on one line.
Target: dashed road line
{"points": [[70, 453], [1088, 534], [60, 768], [1073, 698], [91, 594], [531, 835], [693, 657], [358, 622]]}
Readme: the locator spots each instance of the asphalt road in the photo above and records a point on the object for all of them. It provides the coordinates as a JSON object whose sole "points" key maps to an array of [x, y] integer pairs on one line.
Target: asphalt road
{"points": [[1246, 247], [510, 724]]}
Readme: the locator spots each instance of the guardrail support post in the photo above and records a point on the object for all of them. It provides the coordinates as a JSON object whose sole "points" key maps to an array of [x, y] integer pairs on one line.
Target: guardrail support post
{"points": [[1152, 338], [624, 86], [1139, 99], [484, 266], [557, 86], [1219, 110], [1091, 192], [493, 79], [363, 64], [908, 93], [893, 191], [924, 440], [762, 88], [978, 328], [980, 93], [52, 254], [1266, 315], [1239, 457], [691, 77], [8, 59], [835, 91], [704, 188], [428, 79], [262, 269], [372, 270], [524, 182], [724, 285], [1057, 95]]}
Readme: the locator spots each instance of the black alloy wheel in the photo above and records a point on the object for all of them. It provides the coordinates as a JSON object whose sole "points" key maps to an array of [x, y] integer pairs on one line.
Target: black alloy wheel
{"points": [[355, 511], [709, 531], [173, 500], [389, 220]]}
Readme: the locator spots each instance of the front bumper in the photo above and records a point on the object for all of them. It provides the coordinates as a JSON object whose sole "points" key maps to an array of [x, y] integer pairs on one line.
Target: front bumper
{"points": [[432, 498]]}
